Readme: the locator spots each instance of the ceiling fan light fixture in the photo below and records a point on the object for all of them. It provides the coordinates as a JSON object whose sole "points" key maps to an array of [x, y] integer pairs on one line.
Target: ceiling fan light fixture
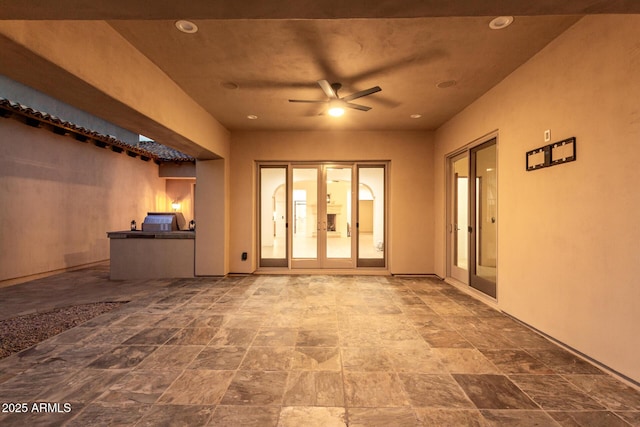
{"points": [[336, 111], [186, 26], [337, 104], [500, 22], [336, 108]]}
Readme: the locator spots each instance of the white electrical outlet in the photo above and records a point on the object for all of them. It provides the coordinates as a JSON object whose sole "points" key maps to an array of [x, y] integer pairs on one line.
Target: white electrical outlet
{"points": [[547, 135]]}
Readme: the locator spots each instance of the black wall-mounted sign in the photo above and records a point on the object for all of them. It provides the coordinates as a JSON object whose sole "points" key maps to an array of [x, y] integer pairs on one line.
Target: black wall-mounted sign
{"points": [[553, 154]]}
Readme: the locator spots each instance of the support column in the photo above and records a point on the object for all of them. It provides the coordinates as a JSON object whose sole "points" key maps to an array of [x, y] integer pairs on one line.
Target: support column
{"points": [[212, 237]]}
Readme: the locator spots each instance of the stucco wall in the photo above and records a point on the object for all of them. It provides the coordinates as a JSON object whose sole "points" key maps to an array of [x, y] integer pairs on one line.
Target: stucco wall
{"points": [[410, 186], [59, 197], [212, 218], [567, 235], [182, 192]]}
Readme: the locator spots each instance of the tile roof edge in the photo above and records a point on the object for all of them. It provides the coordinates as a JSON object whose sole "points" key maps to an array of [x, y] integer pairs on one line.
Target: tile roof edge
{"points": [[152, 150]]}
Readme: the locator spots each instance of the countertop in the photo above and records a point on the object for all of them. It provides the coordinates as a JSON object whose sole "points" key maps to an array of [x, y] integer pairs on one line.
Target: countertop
{"points": [[138, 234]]}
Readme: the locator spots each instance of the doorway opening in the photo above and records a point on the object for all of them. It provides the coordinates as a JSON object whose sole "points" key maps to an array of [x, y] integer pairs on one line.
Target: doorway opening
{"points": [[336, 212], [472, 195]]}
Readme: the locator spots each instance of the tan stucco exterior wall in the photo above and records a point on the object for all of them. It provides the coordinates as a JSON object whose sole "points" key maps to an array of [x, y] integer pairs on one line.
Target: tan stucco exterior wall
{"points": [[567, 235], [212, 218], [59, 197], [410, 178]]}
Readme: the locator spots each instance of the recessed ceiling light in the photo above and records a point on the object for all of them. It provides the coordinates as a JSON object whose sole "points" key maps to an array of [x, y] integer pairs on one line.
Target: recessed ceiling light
{"points": [[186, 26], [252, 117], [230, 85], [445, 84], [415, 116], [500, 22]]}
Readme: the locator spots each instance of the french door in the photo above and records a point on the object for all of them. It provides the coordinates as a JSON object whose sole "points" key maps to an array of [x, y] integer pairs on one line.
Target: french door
{"points": [[322, 215], [472, 206], [322, 197]]}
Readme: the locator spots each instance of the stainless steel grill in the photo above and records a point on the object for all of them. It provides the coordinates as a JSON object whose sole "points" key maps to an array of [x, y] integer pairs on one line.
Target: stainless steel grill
{"points": [[163, 221]]}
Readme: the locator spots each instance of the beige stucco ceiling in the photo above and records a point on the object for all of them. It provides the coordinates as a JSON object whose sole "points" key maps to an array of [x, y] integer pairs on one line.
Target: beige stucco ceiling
{"points": [[273, 61], [275, 51]]}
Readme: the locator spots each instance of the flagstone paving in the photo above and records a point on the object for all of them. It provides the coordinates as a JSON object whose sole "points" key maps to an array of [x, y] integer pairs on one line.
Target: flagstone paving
{"points": [[295, 350]]}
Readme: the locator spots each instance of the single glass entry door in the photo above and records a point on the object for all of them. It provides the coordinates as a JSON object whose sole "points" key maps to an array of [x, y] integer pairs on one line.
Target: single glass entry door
{"points": [[322, 215]]}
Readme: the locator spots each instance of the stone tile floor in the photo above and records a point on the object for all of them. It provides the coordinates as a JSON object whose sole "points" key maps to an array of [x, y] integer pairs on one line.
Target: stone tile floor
{"points": [[297, 351]]}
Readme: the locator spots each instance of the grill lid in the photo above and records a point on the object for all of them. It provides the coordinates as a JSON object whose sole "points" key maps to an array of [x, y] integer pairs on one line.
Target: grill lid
{"points": [[163, 221]]}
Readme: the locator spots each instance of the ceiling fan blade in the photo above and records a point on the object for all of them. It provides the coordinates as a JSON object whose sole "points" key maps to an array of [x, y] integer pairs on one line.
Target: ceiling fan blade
{"points": [[328, 89], [357, 106], [308, 101], [362, 93]]}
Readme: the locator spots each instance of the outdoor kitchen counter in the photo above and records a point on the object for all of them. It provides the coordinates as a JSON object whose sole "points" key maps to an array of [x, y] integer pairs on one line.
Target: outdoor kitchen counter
{"points": [[151, 234], [151, 254]]}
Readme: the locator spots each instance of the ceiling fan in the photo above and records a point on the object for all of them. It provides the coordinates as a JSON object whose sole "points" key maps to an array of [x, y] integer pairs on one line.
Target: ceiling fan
{"points": [[336, 103]]}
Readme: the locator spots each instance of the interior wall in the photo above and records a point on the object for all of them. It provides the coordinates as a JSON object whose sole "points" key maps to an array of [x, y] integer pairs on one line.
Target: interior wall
{"points": [[59, 197], [365, 217], [567, 235], [410, 217]]}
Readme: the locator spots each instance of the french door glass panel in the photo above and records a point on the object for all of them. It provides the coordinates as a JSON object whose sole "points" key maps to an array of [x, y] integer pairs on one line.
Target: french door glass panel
{"points": [[461, 242], [273, 216], [338, 212], [305, 213], [484, 208], [370, 223], [460, 220]]}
